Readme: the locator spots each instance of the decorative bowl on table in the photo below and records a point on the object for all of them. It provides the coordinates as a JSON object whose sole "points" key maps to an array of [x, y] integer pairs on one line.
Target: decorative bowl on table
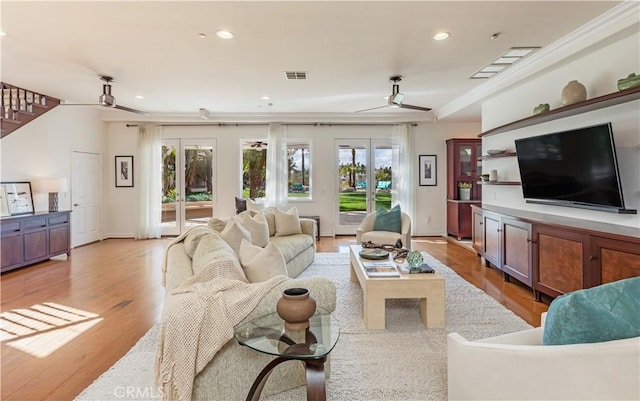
{"points": [[374, 253], [494, 152]]}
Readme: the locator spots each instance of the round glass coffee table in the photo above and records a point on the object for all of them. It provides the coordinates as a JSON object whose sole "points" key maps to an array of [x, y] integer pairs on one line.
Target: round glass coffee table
{"points": [[267, 334]]}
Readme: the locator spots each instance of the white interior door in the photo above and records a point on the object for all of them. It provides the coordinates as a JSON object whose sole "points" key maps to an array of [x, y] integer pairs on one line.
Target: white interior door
{"points": [[85, 196], [188, 184]]}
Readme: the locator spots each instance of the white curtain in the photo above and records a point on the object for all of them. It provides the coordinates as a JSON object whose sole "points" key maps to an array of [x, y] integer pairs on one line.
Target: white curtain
{"points": [[149, 178], [404, 171], [277, 172]]}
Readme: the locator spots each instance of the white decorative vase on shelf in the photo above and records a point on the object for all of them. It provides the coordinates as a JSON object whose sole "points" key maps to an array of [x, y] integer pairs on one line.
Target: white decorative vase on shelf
{"points": [[465, 193], [573, 92]]}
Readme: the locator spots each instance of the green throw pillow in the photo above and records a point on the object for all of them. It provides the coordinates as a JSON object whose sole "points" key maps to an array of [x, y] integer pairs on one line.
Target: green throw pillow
{"points": [[388, 220], [603, 313]]}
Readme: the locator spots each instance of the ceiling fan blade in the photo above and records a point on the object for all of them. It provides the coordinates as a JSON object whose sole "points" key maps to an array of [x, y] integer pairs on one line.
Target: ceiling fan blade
{"points": [[408, 106], [373, 108], [144, 113]]}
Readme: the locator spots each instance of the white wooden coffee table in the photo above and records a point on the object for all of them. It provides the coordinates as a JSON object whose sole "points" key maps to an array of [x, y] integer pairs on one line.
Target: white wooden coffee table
{"points": [[428, 287]]}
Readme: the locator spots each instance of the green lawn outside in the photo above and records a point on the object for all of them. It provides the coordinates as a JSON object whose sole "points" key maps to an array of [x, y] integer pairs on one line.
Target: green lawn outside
{"points": [[356, 201], [351, 201]]}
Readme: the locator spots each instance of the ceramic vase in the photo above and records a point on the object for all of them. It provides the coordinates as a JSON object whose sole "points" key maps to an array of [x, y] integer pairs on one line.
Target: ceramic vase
{"points": [[296, 307], [465, 193], [573, 92], [415, 260]]}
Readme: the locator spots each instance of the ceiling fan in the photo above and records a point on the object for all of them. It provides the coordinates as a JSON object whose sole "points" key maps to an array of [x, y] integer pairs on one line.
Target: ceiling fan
{"points": [[395, 99], [107, 99], [258, 144]]}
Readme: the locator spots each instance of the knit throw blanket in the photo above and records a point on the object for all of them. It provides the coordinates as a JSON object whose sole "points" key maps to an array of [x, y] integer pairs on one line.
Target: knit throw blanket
{"points": [[198, 320]]}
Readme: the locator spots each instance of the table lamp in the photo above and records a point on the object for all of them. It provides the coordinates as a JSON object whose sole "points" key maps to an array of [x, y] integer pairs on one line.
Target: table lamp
{"points": [[52, 186]]}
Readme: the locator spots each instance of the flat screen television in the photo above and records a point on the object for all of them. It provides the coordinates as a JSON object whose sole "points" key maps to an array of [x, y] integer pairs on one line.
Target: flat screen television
{"points": [[576, 168]]}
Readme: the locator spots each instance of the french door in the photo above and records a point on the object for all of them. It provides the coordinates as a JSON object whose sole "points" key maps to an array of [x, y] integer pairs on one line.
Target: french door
{"points": [[187, 183], [364, 168]]}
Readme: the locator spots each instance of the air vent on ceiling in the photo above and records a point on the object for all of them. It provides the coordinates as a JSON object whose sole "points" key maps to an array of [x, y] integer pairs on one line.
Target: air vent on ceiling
{"points": [[295, 75]]}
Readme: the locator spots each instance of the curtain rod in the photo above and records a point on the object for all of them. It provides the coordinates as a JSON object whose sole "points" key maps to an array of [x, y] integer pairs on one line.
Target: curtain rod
{"points": [[247, 124]]}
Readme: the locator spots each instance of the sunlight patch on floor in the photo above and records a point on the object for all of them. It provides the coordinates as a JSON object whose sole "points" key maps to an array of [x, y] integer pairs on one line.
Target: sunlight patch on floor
{"points": [[43, 328]]}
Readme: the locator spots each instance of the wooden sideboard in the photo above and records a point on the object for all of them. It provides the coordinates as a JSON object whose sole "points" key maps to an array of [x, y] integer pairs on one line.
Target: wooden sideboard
{"points": [[553, 254], [32, 238]]}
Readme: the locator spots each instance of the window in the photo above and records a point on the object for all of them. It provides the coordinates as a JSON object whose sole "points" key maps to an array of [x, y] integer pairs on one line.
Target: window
{"points": [[299, 168], [254, 169]]}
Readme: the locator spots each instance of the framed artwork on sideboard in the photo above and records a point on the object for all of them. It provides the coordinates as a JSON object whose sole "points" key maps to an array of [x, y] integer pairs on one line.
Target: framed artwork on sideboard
{"points": [[15, 198]]}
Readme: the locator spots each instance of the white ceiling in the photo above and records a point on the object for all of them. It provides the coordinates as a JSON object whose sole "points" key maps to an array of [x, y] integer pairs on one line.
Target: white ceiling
{"points": [[348, 49]]}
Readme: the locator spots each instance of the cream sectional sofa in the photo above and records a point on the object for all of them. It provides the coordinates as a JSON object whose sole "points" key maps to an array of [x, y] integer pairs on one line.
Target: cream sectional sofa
{"points": [[230, 374]]}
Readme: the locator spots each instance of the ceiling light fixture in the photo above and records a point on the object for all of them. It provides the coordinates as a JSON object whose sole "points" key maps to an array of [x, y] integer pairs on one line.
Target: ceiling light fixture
{"points": [[139, 97], [3, 33], [265, 98], [441, 35], [202, 35], [503, 62], [204, 113], [224, 34]]}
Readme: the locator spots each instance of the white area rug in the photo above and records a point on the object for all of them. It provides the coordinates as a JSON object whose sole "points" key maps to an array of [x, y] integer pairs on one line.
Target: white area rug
{"points": [[405, 362]]}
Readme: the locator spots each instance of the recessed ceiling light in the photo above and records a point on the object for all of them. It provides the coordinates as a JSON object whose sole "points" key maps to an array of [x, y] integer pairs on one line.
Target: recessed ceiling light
{"points": [[224, 34], [265, 98], [139, 97], [441, 35], [2, 33], [202, 35]]}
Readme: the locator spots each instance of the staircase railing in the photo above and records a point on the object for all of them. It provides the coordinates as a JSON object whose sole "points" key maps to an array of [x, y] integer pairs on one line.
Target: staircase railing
{"points": [[20, 106]]}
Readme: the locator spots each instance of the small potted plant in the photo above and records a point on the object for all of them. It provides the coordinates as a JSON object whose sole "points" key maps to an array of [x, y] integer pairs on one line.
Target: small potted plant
{"points": [[464, 190]]}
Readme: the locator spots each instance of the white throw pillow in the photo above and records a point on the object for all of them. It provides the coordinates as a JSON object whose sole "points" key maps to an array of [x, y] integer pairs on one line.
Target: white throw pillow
{"points": [[255, 206], [287, 223], [257, 227], [233, 234], [261, 264]]}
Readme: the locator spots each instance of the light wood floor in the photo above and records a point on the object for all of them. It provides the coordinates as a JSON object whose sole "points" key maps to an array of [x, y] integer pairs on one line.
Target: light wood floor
{"points": [[108, 294]]}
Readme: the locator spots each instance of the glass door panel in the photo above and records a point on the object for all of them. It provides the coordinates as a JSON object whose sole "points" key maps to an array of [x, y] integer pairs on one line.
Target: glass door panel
{"points": [[198, 184], [170, 184], [382, 174], [466, 165]]}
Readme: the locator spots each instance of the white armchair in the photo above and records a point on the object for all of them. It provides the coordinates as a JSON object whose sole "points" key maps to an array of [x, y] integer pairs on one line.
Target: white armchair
{"points": [[365, 232], [517, 366]]}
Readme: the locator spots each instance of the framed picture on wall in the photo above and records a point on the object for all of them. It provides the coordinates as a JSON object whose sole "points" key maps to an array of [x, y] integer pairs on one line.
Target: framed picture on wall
{"points": [[428, 170], [16, 198], [124, 171]]}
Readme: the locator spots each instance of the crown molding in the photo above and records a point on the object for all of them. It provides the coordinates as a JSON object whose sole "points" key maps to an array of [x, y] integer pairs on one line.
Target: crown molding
{"points": [[597, 30]]}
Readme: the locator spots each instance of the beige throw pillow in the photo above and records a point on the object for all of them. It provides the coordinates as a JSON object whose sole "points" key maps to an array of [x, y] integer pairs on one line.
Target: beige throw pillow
{"points": [[193, 237], [255, 206], [218, 224], [287, 223], [257, 227], [261, 264], [233, 234]]}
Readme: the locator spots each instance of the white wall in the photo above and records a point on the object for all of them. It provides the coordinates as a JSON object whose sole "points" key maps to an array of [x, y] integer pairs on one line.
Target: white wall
{"points": [[428, 139], [598, 69], [42, 148]]}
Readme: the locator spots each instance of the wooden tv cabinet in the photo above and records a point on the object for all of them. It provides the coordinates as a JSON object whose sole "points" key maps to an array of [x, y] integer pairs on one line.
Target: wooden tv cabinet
{"points": [[554, 255], [32, 238]]}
